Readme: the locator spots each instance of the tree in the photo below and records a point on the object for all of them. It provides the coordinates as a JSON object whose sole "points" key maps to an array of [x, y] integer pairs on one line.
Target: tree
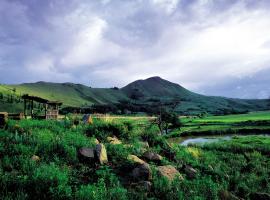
{"points": [[1, 95], [167, 120]]}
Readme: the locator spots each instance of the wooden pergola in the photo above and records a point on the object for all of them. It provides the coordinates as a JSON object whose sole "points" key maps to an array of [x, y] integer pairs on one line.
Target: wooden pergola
{"points": [[51, 108]]}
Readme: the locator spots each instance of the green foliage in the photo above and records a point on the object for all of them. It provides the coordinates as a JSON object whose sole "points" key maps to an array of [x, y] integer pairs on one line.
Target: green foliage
{"points": [[240, 166], [107, 187], [50, 181], [203, 188], [77, 95], [101, 130]]}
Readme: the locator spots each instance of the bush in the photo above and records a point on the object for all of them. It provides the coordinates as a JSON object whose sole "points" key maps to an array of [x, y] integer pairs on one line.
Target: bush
{"points": [[101, 130], [107, 187], [50, 181]]}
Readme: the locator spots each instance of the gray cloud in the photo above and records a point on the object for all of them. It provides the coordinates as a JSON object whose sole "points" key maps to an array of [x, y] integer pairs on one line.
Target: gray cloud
{"points": [[213, 47]]}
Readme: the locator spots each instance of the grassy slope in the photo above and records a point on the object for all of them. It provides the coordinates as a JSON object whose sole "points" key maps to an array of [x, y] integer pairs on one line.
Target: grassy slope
{"points": [[70, 94], [155, 87], [191, 102]]}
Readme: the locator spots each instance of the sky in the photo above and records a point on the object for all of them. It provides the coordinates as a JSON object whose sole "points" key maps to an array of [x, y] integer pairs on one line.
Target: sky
{"points": [[213, 47]]}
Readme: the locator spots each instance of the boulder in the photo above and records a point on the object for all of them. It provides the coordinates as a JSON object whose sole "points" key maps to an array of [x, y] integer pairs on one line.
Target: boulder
{"points": [[86, 154], [96, 141], [101, 154], [259, 196], [135, 159], [35, 158], [190, 172], [142, 172], [169, 172], [151, 156], [87, 119], [113, 140]]}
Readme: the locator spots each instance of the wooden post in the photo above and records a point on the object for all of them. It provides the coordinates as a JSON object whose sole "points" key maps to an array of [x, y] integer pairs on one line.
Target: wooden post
{"points": [[24, 109], [32, 109]]}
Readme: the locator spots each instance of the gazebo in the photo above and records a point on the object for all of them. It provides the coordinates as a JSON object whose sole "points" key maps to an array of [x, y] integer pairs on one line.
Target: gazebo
{"points": [[51, 108]]}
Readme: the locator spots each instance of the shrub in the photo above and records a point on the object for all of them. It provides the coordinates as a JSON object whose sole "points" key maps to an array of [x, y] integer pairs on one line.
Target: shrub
{"points": [[101, 130], [50, 181]]}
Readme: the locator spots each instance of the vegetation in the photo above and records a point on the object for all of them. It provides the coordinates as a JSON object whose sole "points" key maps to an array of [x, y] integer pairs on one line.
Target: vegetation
{"points": [[40, 159], [252, 123], [139, 96]]}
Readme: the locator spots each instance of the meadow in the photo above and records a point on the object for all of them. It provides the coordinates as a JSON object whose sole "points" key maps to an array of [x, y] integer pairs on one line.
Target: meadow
{"points": [[40, 160], [251, 123]]}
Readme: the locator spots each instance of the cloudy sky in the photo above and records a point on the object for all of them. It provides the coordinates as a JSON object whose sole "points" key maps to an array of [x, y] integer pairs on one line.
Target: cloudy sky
{"points": [[214, 47]]}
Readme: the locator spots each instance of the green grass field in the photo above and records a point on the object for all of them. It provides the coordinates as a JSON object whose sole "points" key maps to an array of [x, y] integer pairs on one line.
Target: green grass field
{"points": [[233, 169], [254, 122]]}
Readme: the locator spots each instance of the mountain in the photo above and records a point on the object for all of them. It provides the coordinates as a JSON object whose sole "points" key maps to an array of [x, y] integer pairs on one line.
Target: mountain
{"points": [[142, 92], [156, 87]]}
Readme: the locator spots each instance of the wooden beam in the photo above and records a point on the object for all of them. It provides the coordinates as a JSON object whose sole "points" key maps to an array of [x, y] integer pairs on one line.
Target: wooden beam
{"points": [[24, 109], [32, 109]]}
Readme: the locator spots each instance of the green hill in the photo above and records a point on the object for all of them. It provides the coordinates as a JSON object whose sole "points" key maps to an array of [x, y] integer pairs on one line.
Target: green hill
{"points": [[156, 87], [144, 91]]}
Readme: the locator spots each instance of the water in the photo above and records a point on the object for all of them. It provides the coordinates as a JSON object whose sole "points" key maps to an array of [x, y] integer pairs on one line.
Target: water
{"points": [[205, 139]]}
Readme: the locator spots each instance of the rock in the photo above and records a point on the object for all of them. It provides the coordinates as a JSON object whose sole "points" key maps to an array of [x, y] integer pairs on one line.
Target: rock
{"points": [[101, 154], [190, 172], [87, 119], [35, 158], [96, 141], [169, 172], [86, 154], [152, 156], [226, 195], [113, 140], [259, 196], [142, 172], [135, 159], [144, 185]]}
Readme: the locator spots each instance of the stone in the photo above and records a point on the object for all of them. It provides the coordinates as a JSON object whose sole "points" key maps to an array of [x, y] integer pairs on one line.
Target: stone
{"points": [[259, 196], [86, 153], [190, 172], [169, 172], [96, 141], [101, 154], [142, 172], [135, 159], [87, 119], [152, 156], [113, 140], [35, 158]]}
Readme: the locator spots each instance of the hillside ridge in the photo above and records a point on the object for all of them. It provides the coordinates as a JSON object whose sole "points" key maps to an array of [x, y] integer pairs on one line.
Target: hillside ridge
{"points": [[145, 90]]}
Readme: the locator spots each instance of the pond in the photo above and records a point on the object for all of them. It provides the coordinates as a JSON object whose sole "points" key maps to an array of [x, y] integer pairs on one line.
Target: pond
{"points": [[186, 140]]}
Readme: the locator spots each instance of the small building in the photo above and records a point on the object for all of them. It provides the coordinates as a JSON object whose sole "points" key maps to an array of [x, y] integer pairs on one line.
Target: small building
{"points": [[46, 109]]}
